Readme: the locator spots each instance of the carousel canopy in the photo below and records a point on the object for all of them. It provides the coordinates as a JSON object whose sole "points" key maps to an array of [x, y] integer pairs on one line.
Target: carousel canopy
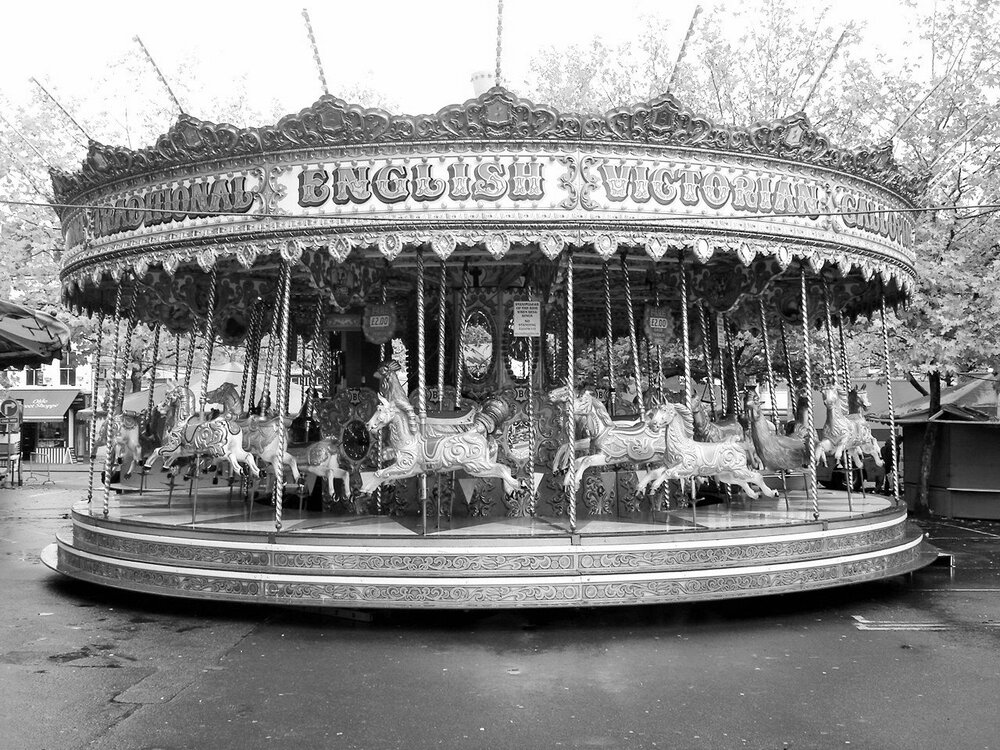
{"points": [[498, 181], [28, 337]]}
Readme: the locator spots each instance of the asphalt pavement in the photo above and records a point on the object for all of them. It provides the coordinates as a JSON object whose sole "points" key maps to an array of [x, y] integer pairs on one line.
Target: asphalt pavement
{"points": [[909, 663]]}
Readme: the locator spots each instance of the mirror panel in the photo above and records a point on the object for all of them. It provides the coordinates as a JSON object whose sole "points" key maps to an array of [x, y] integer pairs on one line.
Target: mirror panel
{"points": [[479, 345]]}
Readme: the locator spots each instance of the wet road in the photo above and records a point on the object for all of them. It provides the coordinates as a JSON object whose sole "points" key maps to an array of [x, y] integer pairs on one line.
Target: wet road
{"points": [[906, 663]]}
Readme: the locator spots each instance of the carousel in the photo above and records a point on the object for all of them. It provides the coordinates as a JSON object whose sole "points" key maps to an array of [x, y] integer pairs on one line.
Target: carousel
{"points": [[454, 330]]}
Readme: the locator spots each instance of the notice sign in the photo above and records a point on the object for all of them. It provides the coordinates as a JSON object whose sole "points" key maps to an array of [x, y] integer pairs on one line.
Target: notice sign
{"points": [[10, 413], [658, 325], [379, 323], [527, 318]]}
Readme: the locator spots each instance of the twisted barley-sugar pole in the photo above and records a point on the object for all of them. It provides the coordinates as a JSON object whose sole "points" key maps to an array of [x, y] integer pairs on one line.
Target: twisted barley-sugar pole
{"points": [[731, 351], [610, 338], [571, 382], [705, 348], [278, 491], [892, 413], [251, 350], [459, 365], [633, 337], [189, 366], [767, 360], [442, 301], [94, 401], [812, 490], [421, 377], [792, 395], [720, 337], [380, 439], [177, 357], [686, 353], [152, 371], [848, 462], [116, 383], [532, 497], [108, 448]]}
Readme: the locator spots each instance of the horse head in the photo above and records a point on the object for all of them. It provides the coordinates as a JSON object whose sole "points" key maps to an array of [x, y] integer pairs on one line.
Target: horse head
{"points": [[858, 400], [832, 395], [384, 414], [660, 416]]}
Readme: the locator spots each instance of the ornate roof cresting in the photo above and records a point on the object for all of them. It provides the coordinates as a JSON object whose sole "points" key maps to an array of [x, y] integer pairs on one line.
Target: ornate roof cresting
{"points": [[496, 116]]}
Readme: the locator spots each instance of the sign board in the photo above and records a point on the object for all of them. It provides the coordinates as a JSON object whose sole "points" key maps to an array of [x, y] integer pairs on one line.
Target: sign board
{"points": [[527, 318], [343, 321], [658, 325], [379, 323], [10, 413]]}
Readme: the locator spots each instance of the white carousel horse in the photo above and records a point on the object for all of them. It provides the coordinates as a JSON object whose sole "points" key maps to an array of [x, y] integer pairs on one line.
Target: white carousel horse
{"points": [[686, 459], [321, 459], [261, 435], [473, 451], [726, 429], [847, 431], [434, 426], [189, 434], [261, 438], [120, 435], [129, 436], [614, 442]]}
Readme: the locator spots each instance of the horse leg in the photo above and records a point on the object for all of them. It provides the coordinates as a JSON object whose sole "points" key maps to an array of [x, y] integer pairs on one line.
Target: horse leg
{"points": [[650, 476], [582, 464], [495, 470], [293, 466], [741, 479], [344, 476]]}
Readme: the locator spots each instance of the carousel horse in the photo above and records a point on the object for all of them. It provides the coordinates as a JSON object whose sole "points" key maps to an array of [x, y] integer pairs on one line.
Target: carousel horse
{"points": [[319, 458], [130, 436], [776, 452], [189, 434], [846, 432], [730, 428], [120, 434], [392, 391], [615, 443], [799, 426], [707, 431], [473, 451], [686, 459]]}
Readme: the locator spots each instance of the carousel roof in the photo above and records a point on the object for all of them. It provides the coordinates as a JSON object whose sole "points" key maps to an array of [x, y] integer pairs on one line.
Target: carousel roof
{"points": [[496, 116], [500, 183]]}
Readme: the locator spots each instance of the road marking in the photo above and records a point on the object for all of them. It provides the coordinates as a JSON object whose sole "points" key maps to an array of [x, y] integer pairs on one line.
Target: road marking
{"points": [[893, 625], [974, 531]]}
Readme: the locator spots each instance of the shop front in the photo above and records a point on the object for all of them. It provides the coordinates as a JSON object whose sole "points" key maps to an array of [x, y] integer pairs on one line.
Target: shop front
{"points": [[49, 423]]}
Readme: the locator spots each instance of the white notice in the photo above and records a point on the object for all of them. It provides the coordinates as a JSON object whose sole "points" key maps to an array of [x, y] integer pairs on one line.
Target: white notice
{"points": [[527, 318]]}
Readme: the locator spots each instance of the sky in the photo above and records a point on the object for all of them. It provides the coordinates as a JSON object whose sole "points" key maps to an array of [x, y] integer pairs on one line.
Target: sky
{"points": [[421, 55]]}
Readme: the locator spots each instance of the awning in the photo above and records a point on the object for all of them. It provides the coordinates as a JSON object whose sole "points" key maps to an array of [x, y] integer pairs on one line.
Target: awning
{"points": [[44, 404]]}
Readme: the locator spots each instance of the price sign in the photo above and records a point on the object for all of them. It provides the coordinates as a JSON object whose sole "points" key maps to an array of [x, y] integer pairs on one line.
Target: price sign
{"points": [[379, 323], [659, 325], [527, 318], [10, 414]]}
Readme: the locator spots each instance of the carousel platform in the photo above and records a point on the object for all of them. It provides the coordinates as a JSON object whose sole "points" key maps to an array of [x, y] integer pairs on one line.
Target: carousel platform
{"points": [[321, 559]]}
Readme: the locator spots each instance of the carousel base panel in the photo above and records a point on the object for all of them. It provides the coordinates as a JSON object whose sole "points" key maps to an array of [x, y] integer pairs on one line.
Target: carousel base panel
{"points": [[713, 551]]}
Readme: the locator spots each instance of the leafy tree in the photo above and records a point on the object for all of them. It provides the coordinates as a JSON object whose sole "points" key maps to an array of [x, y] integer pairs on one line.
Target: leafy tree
{"points": [[938, 104]]}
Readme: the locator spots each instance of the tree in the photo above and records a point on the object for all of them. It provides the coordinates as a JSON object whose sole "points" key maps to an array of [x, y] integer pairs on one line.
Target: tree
{"points": [[941, 116]]}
